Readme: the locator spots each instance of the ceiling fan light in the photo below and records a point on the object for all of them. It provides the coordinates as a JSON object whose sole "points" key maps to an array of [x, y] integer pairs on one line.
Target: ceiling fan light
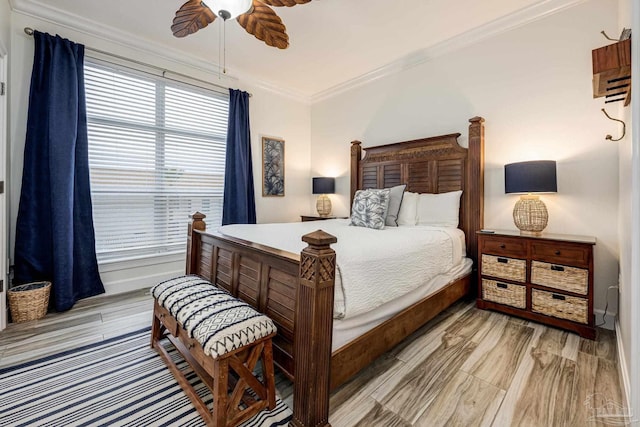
{"points": [[230, 9]]}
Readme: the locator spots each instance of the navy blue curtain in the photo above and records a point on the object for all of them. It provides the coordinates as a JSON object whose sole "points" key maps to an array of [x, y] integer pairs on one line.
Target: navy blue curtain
{"points": [[55, 239], [239, 205]]}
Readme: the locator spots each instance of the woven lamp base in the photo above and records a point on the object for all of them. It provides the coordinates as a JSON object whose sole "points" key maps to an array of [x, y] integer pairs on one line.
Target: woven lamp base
{"points": [[530, 215], [323, 205]]}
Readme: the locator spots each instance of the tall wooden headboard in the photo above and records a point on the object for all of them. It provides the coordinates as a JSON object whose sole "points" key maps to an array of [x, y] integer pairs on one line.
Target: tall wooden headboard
{"points": [[431, 165]]}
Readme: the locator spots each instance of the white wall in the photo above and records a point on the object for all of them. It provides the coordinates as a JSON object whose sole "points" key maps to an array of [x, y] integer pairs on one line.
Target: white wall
{"points": [[5, 13], [629, 225], [533, 86], [279, 117], [270, 115]]}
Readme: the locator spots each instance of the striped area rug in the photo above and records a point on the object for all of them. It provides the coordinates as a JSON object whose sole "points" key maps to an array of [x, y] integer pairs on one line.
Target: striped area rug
{"points": [[118, 382]]}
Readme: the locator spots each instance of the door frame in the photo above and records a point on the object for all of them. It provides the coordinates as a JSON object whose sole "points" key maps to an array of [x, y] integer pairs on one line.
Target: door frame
{"points": [[4, 60]]}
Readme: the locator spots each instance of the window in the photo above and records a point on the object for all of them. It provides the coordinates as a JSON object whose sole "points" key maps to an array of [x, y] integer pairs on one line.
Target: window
{"points": [[156, 154]]}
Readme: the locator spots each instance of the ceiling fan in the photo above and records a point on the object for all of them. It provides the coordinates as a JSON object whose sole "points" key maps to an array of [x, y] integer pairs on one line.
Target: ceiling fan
{"points": [[255, 16]]}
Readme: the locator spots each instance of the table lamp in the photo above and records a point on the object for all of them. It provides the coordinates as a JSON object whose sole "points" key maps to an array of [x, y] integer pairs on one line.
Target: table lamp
{"points": [[323, 186], [530, 213]]}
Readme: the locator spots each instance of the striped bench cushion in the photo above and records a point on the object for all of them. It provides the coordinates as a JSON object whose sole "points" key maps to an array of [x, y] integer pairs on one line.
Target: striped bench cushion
{"points": [[218, 321]]}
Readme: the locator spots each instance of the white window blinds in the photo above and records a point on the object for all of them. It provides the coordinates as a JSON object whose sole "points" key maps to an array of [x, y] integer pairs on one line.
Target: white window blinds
{"points": [[156, 154]]}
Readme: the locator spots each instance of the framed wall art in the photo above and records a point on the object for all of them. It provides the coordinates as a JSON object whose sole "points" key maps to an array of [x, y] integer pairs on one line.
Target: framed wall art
{"points": [[272, 167]]}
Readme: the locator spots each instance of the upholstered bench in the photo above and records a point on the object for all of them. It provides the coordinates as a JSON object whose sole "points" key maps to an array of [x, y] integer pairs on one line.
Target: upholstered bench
{"points": [[222, 338]]}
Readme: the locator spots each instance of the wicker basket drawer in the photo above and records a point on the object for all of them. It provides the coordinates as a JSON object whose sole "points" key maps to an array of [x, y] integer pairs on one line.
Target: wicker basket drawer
{"points": [[504, 268], [504, 293], [561, 306], [560, 277]]}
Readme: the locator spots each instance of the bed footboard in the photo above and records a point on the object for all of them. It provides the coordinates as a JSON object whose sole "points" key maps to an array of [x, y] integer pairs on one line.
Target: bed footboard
{"points": [[290, 289]]}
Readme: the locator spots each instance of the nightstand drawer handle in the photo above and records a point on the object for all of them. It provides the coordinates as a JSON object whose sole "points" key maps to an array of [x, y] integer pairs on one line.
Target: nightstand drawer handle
{"points": [[503, 260], [502, 285], [557, 268], [502, 246], [560, 297], [557, 252]]}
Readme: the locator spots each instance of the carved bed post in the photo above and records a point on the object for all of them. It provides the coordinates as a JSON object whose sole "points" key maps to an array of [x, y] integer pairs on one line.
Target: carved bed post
{"points": [[196, 223], [356, 156], [475, 185], [313, 331]]}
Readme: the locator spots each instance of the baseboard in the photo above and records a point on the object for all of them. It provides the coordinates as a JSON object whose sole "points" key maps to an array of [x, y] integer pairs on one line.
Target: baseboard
{"points": [[609, 320], [623, 370]]}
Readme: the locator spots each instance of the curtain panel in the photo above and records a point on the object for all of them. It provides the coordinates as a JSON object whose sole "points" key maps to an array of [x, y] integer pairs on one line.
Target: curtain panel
{"points": [[239, 205], [55, 238]]}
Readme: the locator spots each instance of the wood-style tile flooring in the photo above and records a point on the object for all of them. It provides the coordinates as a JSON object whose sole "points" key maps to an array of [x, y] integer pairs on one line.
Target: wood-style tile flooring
{"points": [[466, 367]]}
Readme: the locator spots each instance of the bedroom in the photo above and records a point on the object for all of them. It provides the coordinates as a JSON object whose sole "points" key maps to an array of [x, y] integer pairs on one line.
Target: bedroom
{"points": [[528, 74]]}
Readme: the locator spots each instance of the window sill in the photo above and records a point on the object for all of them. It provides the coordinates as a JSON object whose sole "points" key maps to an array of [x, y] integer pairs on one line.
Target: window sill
{"points": [[143, 261]]}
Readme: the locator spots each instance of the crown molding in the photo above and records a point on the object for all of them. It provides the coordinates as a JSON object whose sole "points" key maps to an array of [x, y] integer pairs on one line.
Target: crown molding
{"points": [[295, 95], [506, 23], [40, 10]]}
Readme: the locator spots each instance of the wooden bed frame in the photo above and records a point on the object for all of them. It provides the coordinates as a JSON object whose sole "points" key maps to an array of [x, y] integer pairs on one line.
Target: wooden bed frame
{"points": [[296, 290]]}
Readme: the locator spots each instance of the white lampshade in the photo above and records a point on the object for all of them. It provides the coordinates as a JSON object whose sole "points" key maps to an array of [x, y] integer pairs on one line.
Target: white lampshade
{"points": [[234, 8]]}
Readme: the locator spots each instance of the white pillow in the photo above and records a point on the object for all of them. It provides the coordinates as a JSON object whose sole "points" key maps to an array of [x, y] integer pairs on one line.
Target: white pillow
{"points": [[408, 209], [439, 210]]}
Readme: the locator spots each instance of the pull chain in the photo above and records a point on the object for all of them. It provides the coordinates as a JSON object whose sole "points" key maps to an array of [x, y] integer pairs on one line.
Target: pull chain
{"points": [[222, 40], [220, 52], [224, 43]]}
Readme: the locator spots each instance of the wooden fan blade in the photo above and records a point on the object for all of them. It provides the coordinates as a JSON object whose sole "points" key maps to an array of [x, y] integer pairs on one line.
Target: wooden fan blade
{"points": [[191, 17], [265, 25], [287, 3]]}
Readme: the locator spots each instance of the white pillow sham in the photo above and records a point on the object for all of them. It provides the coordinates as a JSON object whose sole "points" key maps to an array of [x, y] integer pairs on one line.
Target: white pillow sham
{"points": [[408, 213], [439, 210]]}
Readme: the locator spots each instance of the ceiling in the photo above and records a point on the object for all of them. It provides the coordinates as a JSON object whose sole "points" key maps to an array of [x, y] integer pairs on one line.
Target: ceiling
{"points": [[332, 42]]}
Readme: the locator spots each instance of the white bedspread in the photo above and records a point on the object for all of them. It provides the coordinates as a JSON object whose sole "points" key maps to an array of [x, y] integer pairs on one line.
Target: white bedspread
{"points": [[373, 266]]}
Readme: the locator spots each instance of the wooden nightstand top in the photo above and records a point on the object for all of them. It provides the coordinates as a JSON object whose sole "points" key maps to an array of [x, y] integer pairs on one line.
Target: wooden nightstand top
{"points": [[304, 218], [544, 236]]}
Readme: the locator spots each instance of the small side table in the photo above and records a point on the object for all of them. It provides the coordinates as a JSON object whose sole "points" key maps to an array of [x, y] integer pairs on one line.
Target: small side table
{"points": [[305, 218], [547, 278]]}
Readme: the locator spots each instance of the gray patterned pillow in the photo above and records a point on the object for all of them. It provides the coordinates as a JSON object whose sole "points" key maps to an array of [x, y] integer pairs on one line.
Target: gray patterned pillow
{"points": [[395, 201], [370, 208]]}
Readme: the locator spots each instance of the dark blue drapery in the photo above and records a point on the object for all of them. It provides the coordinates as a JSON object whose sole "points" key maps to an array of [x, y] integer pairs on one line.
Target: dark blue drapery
{"points": [[55, 239], [239, 205]]}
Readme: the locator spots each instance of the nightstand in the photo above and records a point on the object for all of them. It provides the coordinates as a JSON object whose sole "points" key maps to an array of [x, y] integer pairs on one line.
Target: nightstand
{"points": [[305, 218], [547, 278]]}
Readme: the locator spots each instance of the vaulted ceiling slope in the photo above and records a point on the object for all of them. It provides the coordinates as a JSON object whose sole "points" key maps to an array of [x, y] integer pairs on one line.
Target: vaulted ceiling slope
{"points": [[334, 44]]}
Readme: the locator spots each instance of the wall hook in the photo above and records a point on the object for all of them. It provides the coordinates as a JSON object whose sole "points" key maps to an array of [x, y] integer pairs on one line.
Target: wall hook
{"points": [[608, 38], [626, 33], [624, 127]]}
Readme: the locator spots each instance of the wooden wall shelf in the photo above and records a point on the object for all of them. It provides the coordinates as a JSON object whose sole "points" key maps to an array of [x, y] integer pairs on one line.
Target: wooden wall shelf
{"points": [[612, 72]]}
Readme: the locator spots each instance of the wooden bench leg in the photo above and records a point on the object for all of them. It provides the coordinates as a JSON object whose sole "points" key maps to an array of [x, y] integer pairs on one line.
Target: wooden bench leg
{"points": [[269, 375], [220, 383], [157, 329]]}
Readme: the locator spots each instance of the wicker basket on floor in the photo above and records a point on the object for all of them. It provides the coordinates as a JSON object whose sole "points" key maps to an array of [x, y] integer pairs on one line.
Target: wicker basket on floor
{"points": [[29, 302]]}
